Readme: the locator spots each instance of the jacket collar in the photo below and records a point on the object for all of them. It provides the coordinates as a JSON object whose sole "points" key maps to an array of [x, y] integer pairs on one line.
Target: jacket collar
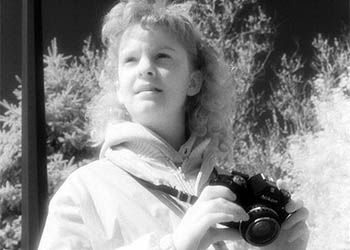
{"points": [[138, 135]]}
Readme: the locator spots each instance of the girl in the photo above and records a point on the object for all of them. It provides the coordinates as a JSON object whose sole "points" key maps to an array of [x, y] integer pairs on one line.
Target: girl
{"points": [[164, 119]]}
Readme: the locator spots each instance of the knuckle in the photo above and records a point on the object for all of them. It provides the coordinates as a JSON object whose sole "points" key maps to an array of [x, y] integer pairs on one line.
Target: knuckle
{"points": [[218, 204], [306, 212], [227, 192], [213, 205], [301, 227], [207, 206]]}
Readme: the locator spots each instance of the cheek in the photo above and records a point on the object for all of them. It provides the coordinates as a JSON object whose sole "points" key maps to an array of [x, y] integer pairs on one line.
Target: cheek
{"points": [[125, 79]]}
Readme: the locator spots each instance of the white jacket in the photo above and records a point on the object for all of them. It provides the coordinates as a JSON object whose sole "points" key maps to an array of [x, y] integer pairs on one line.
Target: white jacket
{"points": [[102, 207]]}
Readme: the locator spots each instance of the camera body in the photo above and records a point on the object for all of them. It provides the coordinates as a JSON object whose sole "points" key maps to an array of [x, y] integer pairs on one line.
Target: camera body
{"points": [[262, 200]]}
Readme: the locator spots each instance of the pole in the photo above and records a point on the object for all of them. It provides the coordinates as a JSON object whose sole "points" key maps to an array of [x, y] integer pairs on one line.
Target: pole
{"points": [[34, 174]]}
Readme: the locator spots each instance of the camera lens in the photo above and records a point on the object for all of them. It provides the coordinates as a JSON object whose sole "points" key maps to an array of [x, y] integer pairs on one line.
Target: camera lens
{"points": [[262, 228], [262, 231]]}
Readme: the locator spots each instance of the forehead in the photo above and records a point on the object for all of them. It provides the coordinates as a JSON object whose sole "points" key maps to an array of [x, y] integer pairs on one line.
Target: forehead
{"points": [[155, 38]]}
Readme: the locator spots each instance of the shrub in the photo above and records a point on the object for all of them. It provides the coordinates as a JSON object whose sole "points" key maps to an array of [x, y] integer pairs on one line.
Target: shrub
{"points": [[69, 83], [10, 167], [320, 161]]}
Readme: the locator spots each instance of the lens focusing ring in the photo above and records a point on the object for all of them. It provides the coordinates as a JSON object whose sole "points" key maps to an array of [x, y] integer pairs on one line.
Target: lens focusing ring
{"points": [[261, 219]]}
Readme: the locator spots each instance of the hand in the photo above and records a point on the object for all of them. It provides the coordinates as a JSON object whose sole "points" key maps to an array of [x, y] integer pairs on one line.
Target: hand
{"points": [[197, 230], [294, 233]]}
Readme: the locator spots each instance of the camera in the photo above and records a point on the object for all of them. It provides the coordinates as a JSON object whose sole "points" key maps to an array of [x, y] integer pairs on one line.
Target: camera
{"points": [[262, 200]]}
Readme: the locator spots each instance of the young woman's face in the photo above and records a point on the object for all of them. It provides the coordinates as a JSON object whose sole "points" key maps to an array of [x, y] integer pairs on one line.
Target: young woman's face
{"points": [[154, 75]]}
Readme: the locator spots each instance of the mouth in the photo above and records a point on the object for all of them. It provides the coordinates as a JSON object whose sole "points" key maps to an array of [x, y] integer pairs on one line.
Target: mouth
{"points": [[148, 89]]}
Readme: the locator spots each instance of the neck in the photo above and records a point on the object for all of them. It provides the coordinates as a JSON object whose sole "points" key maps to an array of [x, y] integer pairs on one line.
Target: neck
{"points": [[175, 136], [171, 130]]}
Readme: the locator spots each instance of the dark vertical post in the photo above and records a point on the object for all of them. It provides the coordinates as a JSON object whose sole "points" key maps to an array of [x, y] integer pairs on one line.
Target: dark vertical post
{"points": [[1, 83], [34, 175]]}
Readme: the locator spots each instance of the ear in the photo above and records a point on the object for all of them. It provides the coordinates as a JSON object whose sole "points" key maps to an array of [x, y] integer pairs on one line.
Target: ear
{"points": [[195, 84]]}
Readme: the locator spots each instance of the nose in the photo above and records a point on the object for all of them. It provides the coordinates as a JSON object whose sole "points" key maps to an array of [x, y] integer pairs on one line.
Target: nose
{"points": [[146, 67]]}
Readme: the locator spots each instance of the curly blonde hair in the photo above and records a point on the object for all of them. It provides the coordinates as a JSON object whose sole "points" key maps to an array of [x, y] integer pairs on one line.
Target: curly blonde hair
{"points": [[209, 113]]}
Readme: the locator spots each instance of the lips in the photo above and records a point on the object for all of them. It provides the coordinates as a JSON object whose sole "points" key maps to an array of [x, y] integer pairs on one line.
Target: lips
{"points": [[147, 88]]}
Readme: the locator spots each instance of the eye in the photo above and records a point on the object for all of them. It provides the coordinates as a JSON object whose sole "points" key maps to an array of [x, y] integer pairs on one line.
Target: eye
{"points": [[129, 59], [163, 56]]}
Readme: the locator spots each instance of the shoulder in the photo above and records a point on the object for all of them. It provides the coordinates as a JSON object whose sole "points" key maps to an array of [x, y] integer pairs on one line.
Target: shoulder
{"points": [[85, 173], [93, 169], [92, 179]]}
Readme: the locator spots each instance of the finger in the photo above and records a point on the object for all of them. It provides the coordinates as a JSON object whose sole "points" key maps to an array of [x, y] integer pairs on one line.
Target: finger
{"points": [[213, 192], [215, 218], [282, 184], [299, 231], [220, 205], [294, 205], [300, 215]]}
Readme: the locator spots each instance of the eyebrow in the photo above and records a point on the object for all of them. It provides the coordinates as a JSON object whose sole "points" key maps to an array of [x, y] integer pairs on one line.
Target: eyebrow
{"points": [[127, 51], [167, 47]]}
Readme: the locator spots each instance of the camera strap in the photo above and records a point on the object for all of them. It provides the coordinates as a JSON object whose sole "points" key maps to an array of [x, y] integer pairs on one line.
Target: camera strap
{"points": [[178, 194]]}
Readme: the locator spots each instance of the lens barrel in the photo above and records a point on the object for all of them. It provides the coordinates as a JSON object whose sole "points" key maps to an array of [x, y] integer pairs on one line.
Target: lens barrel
{"points": [[262, 227]]}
